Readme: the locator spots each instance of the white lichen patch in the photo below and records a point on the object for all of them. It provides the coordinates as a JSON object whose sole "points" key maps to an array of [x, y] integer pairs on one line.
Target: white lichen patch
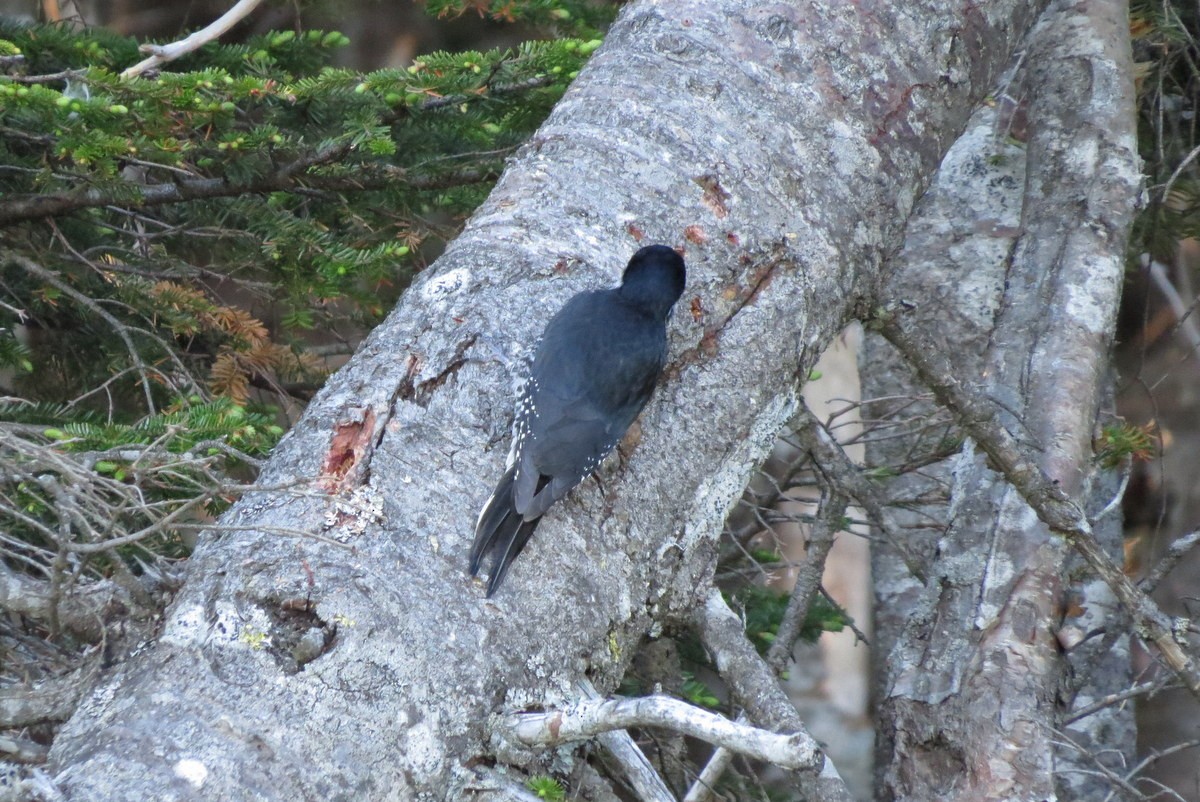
{"points": [[192, 771], [1099, 606], [98, 703], [1091, 310], [1083, 156], [720, 490], [187, 626], [192, 626], [536, 666], [441, 288], [351, 513], [423, 748]]}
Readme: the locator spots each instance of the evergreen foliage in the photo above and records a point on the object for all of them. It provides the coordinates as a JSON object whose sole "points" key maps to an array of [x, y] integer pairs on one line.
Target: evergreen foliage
{"points": [[172, 244], [763, 609]]}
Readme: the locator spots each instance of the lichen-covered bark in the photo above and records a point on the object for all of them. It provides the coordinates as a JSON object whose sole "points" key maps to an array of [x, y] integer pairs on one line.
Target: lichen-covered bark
{"points": [[974, 663], [327, 644]]}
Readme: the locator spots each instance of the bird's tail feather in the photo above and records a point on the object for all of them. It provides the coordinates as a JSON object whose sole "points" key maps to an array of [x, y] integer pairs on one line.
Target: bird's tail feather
{"points": [[500, 531], [516, 534], [498, 507]]}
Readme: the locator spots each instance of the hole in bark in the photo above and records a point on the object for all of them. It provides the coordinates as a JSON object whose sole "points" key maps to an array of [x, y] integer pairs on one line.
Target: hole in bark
{"points": [[299, 635], [351, 442], [940, 760]]}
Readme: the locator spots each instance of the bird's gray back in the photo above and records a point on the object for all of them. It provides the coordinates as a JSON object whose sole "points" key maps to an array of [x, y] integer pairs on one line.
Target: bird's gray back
{"points": [[575, 418]]}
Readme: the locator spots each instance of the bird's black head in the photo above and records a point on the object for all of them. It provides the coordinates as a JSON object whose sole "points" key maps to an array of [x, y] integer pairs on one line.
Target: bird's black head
{"points": [[654, 279]]}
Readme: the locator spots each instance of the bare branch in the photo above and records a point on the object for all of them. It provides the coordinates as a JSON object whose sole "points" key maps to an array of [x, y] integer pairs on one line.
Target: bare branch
{"points": [[1183, 165], [620, 744], [1178, 550], [161, 54], [1186, 322], [1144, 689], [1118, 782], [588, 718], [755, 686], [808, 579], [51, 699], [79, 610], [1158, 754], [703, 787]]}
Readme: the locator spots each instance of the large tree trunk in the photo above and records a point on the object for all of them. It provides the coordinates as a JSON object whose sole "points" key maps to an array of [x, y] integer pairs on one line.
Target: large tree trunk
{"points": [[327, 644], [975, 672]]}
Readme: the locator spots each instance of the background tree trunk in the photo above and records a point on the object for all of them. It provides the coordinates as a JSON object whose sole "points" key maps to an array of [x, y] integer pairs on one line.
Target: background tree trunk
{"points": [[327, 644], [973, 679]]}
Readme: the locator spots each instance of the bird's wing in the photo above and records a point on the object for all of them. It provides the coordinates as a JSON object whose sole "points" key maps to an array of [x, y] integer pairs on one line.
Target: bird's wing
{"points": [[587, 386], [563, 452]]}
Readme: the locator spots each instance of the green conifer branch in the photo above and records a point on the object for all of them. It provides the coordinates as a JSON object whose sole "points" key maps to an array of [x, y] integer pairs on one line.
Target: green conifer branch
{"points": [[290, 178]]}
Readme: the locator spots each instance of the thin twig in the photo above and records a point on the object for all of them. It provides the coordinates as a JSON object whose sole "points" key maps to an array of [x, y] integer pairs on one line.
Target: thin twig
{"points": [[1185, 321], [1183, 165], [1114, 778], [1177, 551], [1158, 754], [1144, 689], [842, 472], [1114, 503], [122, 331]]}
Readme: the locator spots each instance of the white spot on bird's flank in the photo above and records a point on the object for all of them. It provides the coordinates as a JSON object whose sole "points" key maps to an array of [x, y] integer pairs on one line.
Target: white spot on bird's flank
{"points": [[192, 771]]}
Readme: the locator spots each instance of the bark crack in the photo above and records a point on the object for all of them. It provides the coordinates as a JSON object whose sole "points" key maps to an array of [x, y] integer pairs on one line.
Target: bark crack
{"points": [[740, 294], [421, 393]]}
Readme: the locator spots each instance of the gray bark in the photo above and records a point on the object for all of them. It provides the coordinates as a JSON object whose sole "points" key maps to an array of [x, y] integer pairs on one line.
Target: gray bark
{"points": [[972, 665], [786, 144]]}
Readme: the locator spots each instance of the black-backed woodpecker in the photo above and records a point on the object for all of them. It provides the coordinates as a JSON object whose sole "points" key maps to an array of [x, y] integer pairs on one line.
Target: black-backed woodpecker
{"points": [[593, 370]]}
